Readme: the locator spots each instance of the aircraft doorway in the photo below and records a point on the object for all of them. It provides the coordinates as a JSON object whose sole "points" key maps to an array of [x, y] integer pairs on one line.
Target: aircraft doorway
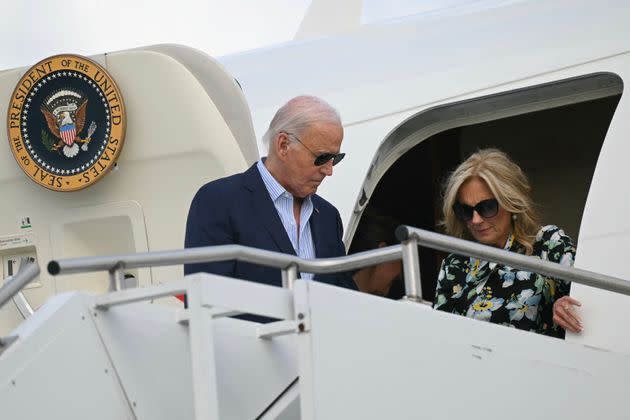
{"points": [[557, 147]]}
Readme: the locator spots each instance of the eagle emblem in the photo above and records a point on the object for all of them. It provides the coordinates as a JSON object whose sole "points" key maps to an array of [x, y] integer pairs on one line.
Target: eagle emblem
{"points": [[66, 122], [65, 112]]}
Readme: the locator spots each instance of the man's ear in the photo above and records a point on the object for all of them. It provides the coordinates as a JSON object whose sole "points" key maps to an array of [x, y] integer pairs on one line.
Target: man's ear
{"points": [[282, 144], [382, 244]]}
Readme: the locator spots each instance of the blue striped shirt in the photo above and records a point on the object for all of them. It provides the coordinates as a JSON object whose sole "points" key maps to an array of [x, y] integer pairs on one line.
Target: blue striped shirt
{"points": [[283, 200]]}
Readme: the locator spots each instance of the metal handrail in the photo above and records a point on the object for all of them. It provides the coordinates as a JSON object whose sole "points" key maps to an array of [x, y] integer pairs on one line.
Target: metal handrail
{"points": [[523, 262], [289, 264], [16, 283], [24, 308]]}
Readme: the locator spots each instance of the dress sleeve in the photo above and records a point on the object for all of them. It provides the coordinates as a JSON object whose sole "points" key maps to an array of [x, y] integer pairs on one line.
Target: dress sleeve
{"points": [[447, 290], [554, 246], [440, 299]]}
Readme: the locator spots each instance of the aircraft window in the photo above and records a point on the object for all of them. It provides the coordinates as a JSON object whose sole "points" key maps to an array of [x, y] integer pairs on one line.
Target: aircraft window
{"points": [[554, 132]]}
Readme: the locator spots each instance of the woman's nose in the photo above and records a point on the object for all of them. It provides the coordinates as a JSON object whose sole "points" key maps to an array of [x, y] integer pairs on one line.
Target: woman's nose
{"points": [[476, 219]]}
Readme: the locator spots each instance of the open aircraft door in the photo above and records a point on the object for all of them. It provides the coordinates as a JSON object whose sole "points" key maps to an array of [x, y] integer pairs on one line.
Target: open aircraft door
{"points": [[185, 121]]}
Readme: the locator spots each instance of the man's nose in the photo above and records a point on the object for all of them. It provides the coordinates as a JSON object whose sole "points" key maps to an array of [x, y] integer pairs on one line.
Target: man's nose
{"points": [[327, 168]]}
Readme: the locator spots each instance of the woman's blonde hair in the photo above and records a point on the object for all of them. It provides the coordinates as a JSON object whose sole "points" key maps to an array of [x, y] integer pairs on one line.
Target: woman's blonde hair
{"points": [[508, 184]]}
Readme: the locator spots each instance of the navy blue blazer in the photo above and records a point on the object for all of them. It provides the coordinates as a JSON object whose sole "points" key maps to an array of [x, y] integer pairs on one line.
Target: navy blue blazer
{"points": [[238, 210]]}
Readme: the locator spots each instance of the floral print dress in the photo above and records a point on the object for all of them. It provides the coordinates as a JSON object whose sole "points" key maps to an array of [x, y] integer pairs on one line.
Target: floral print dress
{"points": [[504, 295]]}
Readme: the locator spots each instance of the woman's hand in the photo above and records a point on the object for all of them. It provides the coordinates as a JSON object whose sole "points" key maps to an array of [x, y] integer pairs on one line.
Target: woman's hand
{"points": [[564, 314]]}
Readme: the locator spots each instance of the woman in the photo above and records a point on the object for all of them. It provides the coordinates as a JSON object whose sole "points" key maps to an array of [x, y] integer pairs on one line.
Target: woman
{"points": [[487, 199]]}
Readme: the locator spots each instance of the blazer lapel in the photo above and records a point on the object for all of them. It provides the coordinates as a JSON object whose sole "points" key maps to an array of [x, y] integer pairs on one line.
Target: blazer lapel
{"points": [[315, 221], [263, 207]]}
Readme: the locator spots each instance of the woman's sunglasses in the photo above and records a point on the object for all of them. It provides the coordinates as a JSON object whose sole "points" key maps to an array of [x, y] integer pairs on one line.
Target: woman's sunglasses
{"points": [[486, 209]]}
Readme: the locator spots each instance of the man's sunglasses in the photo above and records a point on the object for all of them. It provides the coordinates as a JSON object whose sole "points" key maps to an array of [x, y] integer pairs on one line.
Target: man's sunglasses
{"points": [[324, 157], [486, 209]]}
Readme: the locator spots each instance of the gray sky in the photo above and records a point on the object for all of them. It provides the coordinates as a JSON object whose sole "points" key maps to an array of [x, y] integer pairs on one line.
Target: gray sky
{"points": [[34, 29]]}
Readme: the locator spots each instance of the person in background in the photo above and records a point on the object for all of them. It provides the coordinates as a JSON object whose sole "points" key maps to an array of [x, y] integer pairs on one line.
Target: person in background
{"points": [[487, 199], [273, 205], [376, 230]]}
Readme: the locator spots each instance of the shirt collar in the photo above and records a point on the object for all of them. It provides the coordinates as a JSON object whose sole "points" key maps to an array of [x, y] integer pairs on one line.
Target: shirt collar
{"points": [[273, 186]]}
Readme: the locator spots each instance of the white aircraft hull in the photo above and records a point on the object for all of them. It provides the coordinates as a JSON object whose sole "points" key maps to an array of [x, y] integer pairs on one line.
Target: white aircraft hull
{"points": [[542, 80]]}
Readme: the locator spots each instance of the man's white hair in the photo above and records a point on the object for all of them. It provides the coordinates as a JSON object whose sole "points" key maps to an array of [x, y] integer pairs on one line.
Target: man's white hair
{"points": [[298, 114]]}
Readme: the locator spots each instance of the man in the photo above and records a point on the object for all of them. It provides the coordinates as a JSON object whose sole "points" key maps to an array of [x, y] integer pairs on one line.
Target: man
{"points": [[273, 204]]}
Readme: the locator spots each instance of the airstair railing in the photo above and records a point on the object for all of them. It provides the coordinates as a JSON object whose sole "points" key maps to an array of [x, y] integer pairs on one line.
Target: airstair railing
{"points": [[16, 283], [290, 265], [23, 306], [473, 249]]}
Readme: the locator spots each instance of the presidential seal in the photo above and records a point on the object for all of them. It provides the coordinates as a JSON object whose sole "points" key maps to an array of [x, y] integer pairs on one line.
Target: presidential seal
{"points": [[66, 123]]}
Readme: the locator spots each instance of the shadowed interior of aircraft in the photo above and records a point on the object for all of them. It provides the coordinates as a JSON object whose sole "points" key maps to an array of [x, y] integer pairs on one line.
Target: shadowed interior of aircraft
{"points": [[557, 147]]}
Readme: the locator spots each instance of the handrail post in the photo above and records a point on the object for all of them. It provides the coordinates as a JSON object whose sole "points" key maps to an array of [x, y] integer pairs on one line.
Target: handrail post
{"points": [[116, 278], [411, 267], [289, 276]]}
